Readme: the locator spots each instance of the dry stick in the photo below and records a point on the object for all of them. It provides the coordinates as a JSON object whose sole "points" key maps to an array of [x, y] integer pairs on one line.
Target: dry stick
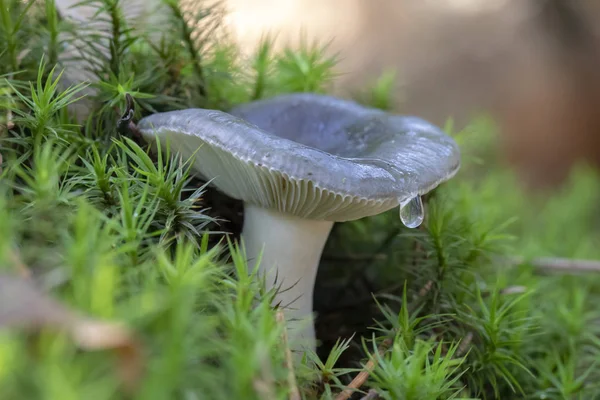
{"points": [[463, 347], [513, 290], [264, 390], [543, 264], [9, 120], [363, 375], [9, 125], [264, 384], [24, 305], [371, 395], [291, 378], [18, 263], [425, 289], [355, 257], [551, 264], [565, 265]]}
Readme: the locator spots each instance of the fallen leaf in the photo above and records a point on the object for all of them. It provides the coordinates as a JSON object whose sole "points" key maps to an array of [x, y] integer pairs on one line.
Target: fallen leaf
{"points": [[23, 305]]}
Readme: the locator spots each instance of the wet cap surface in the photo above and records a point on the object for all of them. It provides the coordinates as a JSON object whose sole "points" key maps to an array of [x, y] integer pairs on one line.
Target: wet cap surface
{"points": [[310, 155]]}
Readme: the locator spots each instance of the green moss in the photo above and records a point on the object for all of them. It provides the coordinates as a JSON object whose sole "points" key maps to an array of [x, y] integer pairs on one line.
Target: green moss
{"points": [[117, 234]]}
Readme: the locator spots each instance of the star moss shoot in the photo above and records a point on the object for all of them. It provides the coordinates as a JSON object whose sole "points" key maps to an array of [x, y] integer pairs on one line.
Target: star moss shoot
{"points": [[122, 275]]}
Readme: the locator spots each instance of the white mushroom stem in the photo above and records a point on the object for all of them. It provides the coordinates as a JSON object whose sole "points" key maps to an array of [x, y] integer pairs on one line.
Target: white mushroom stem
{"points": [[290, 259]]}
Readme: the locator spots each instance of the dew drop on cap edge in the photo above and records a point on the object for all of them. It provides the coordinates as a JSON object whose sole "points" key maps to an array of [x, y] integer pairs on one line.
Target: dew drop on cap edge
{"points": [[412, 212]]}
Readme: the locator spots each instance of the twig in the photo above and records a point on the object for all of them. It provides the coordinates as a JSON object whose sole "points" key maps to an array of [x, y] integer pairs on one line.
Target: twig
{"points": [[371, 395], [9, 120], [355, 257], [264, 384], [291, 378], [464, 345], [8, 126], [513, 290], [507, 291], [264, 390], [26, 306], [363, 375], [565, 265], [18, 263], [425, 289]]}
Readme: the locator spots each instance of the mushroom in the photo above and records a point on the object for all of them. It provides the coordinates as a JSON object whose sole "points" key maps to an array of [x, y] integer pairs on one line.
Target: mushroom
{"points": [[301, 162]]}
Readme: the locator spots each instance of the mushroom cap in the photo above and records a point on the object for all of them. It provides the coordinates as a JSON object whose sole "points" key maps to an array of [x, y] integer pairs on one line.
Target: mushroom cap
{"points": [[309, 155]]}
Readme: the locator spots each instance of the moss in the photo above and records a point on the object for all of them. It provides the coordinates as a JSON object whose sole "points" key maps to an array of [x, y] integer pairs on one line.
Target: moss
{"points": [[115, 233]]}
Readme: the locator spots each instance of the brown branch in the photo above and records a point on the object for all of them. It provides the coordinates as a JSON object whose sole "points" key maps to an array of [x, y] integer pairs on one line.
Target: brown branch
{"points": [[464, 345], [291, 378], [15, 257], [9, 120], [371, 395], [8, 126], [425, 289], [355, 257], [513, 290], [26, 306], [265, 382], [562, 265], [363, 375], [565, 265], [263, 389]]}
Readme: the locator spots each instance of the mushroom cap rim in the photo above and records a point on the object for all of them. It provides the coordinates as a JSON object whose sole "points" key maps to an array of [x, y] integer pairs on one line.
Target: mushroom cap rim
{"points": [[156, 132]]}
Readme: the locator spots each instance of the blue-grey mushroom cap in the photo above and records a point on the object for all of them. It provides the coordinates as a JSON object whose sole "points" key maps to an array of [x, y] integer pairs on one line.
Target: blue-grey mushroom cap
{"points": [[309, 155]]}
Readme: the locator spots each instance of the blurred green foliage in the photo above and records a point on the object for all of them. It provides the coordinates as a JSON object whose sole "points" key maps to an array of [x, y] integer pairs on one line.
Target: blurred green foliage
{"points": [[117, 233]]}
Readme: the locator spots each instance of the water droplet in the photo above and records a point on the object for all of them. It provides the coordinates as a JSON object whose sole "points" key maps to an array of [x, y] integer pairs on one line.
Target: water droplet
{"points": [[412, 212]]}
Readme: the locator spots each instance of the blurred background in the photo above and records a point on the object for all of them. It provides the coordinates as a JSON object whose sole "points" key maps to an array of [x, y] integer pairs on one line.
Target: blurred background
{"points": [[533, 65]]}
